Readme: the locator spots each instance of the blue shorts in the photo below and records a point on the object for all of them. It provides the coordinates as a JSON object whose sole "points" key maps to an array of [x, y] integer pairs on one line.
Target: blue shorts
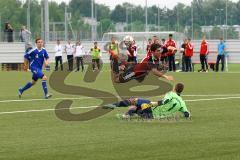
{"points": [[36, 74], [141, 101]]}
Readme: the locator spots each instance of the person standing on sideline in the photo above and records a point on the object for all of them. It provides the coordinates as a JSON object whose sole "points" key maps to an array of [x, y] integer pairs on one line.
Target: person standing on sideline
{"points": [[188, 55], [221, 56], [96, 55], [58, 55], [182, 50], [164, 53], [79, 53], [148, 48], [37, 58], [69, 49], [113, 50], [132, 52], [171, 46], [203, 55]]}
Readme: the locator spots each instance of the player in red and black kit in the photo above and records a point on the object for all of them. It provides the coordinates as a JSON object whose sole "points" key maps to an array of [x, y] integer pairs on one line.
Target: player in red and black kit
{"points": [[131, 52], [171, 46], [140, 70], [148, 49], [155, 40], [203, 55], [164, 53]]}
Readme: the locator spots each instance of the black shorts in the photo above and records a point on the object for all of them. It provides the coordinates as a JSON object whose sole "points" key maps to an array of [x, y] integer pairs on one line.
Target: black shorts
{"points": [[127, 75]]}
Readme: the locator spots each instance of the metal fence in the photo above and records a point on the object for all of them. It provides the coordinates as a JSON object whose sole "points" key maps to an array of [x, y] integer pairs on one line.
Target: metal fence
{"points": [[53, 36]]}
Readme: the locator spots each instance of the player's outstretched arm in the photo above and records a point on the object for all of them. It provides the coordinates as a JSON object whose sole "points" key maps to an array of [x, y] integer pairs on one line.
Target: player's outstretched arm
{"points": [[161, 74], [154, 104]]}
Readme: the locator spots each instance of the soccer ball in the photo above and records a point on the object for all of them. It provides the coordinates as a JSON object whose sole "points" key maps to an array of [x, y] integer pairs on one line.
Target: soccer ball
{"points": [[128, 40]]}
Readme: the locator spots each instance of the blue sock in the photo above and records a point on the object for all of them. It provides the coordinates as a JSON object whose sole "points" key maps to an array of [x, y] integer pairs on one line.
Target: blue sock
{"points": [[27, 86], [44, 85]]}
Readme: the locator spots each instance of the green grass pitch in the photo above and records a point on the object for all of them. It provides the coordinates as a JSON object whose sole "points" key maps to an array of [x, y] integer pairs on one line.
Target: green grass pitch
{"points": [[212, 134]]}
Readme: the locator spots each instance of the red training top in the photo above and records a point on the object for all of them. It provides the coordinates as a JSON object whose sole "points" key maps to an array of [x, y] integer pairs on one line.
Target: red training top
{"points": [[204, 48]]}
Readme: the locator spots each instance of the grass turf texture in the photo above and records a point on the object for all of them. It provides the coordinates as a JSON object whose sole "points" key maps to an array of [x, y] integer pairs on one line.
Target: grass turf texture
{"points": [[212, 134]]}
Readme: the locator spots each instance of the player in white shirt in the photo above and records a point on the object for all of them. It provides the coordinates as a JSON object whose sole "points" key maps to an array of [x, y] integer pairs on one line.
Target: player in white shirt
{"points": [[69, 49], [78, 54], [58, 55]]}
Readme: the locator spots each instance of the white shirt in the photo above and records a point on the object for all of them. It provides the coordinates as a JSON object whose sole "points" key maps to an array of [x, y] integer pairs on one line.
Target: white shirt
{"points": [[79, 51], [69, 49], [58, 50], [26, 35]]}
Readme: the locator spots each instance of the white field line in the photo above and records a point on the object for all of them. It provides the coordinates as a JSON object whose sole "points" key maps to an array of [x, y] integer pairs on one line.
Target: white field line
{"points": [[211, 99], [89, 107], [44, 110], [81, 98]]}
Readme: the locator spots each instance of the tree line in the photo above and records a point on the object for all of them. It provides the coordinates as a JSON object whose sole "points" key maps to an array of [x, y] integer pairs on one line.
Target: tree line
{"points": [[205, 13]]}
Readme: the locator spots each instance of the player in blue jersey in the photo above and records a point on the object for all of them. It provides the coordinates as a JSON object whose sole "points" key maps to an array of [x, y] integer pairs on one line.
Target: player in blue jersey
{"points": [[134, 105], [36, 58]]}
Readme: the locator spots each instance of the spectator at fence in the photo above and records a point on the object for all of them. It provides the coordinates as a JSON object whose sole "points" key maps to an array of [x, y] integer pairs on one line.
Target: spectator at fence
{"points": [[221, 56], [171, 46], [188, 55], [96, 55], [183, 51], [79, 53], [8, 32], [203, 55], [24, 34], [69, 49], [58, 55]]}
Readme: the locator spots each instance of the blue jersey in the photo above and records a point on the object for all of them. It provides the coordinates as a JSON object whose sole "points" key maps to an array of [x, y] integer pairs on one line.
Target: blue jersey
{"points": [[36, 57], [221, 48]]}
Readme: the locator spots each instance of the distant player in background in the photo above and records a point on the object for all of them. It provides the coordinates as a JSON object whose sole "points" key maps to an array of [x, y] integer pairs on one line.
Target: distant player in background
{"points": [[148, 49], [69, 49], [221, 54], [183, 51], [113, 50], [28, 48], [37, 58], [164, 58], [188, 55], [171, 46], [79, 53], [154, 40], [96, 55], [203, 55], [131, 49], [58, 55]]}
